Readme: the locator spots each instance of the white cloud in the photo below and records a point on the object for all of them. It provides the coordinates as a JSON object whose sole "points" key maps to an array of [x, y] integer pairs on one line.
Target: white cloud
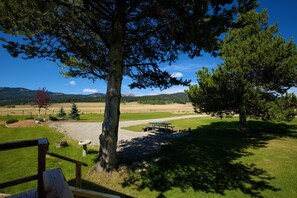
{"points": [[72, 82], [177, 75], [171, 90], [192, 65], [90, 90], [188, 65]]}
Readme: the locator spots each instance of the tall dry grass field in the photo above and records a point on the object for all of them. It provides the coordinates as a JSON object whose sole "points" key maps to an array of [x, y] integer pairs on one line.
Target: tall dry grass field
{"points": [[132, 107]]}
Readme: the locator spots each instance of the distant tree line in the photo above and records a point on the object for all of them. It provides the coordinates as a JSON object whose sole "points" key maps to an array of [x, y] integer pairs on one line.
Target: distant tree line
{"points": [[180, 98], [28, 98]]}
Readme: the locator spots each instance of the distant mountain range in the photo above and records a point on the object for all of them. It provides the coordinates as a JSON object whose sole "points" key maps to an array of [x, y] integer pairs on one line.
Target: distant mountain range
{"points": [[15, 96]]}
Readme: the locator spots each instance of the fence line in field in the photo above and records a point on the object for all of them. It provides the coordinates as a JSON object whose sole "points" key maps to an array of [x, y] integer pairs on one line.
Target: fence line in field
{"points": [[22, 113], [46, 113]]}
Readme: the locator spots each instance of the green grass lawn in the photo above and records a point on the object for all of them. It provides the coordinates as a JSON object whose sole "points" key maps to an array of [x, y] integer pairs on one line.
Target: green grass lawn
{"points": [[94, 117], [183, 124], [215, 160], [18, 117]]}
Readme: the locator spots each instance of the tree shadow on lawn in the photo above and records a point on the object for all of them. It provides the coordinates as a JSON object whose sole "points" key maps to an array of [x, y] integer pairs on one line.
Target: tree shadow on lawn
{"points": [[206, 160], [144, 147], [272, 130]]}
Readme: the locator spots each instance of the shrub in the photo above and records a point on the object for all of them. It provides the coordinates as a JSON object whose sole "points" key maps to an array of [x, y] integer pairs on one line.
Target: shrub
{"points": [[52, 118], [62, 113], [10, 121], [39, 119]]}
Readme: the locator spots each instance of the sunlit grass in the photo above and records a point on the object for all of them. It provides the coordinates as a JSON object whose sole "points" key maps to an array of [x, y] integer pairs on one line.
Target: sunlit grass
{"points": [[215, 160], [94, 117], [18, 117], [184, 124], [279, 158]]}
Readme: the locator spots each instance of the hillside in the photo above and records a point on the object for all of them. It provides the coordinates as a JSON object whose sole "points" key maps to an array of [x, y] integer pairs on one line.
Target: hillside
{"points": [[15, 96], [181, 98]]}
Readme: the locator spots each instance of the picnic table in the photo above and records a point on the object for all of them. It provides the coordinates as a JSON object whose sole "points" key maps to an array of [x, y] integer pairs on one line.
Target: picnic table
{"points": [[161, 126]]}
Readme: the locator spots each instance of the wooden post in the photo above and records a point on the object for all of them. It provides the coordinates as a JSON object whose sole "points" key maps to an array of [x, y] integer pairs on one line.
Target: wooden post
{"points": [[42, 149], [78, 175]]}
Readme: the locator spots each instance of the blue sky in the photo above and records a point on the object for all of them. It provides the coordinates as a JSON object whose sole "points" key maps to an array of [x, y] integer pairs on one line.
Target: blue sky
{"points": [[38, 73]]}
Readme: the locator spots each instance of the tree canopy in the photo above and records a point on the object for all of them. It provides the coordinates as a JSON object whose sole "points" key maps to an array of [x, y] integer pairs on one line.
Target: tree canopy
{"points": [[80, 34], [109, 39], [259, 67]]}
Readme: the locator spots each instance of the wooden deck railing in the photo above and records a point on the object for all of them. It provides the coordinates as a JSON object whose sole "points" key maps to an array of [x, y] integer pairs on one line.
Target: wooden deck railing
{"points": [[43, 146], [78, 165]]}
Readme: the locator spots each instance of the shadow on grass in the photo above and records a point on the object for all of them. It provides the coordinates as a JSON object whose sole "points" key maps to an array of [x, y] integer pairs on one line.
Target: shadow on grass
{"points": [[272, 130], [95, 187], [206, 160], [144, 147]]}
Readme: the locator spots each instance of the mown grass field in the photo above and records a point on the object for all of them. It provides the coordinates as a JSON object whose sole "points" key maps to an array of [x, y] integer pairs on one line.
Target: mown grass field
{"points": [[97, 107], [215, 160], [95, 117]]}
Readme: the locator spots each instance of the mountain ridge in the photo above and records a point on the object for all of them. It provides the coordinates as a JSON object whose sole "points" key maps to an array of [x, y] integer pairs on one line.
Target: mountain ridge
{"points": [[20, 95]]}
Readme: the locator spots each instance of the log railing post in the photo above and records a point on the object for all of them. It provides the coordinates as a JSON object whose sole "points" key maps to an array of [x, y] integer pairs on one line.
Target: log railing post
{"points": [[78, 175], [78, 165], [42, 149]]}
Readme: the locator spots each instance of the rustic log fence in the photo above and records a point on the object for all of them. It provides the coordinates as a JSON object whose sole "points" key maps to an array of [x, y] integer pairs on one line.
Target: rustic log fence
{"points": [[43, 146]]}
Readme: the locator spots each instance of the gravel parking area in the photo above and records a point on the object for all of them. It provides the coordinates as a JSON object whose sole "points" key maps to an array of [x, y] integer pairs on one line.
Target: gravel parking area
{"points": [[139, 144]]}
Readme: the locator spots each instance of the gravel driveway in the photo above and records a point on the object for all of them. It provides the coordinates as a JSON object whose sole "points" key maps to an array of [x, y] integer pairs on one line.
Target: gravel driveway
{"points": [[139, 144]]}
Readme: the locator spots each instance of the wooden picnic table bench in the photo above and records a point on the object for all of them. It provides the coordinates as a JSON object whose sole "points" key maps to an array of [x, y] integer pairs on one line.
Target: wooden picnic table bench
{"points": [[148, 128], [166, 126]]}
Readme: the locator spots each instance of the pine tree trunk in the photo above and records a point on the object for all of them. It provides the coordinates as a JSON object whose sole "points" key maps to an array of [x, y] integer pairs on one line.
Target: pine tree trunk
{"points": [[242, 117], [109, 136]]}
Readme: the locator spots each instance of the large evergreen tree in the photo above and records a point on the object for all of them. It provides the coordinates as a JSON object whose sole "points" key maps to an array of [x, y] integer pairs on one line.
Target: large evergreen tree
{"points": [[259, 67], [108, 39], [74, 112]]}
